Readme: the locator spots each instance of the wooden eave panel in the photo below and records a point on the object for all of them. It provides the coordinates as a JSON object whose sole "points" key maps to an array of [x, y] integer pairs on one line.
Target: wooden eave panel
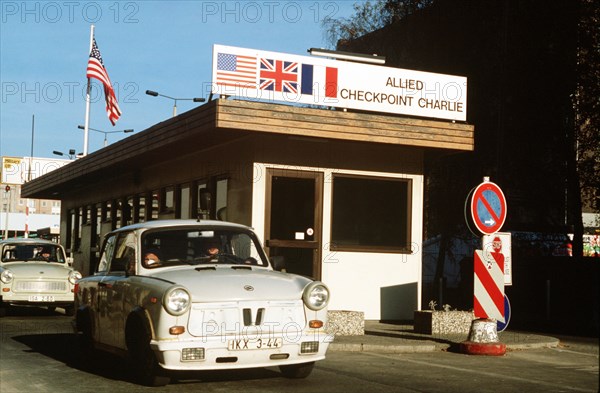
{"points": [[289, 120], [170, 137], [140, 146]]}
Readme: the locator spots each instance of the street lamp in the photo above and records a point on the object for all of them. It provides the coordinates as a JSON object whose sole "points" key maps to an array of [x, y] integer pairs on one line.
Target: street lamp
{"points": [[71, 153], [105, 132], [156, 94]]}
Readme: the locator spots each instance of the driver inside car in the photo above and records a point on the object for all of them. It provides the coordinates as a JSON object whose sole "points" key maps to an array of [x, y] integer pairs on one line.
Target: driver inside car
{"points": [[212, 249], [151, 258]]}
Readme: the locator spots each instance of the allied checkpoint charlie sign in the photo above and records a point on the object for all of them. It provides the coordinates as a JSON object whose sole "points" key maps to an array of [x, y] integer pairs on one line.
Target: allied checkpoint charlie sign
{"points": [[273, 76]]}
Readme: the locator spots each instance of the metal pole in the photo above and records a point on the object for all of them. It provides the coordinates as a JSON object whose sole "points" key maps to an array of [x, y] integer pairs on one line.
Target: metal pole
{"points": [[29, 176], [87, 101], [6, 217]]}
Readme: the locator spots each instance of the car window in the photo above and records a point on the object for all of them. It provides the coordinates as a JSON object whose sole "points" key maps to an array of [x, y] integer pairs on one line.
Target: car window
{"points": [[32, 252], [124, 255], [167, 247], [107, 253]]}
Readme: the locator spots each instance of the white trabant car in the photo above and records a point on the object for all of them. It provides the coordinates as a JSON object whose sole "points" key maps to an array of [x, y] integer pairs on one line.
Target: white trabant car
{"points": [[35, 272], [199, 295]]}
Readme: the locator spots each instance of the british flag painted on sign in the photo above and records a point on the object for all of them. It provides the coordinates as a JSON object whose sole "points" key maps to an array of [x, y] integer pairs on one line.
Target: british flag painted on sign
{"points": [[279, 75]]}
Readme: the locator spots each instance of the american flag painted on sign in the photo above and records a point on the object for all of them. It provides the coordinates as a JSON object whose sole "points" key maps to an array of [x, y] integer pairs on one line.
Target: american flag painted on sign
{"points": [[279, 75], [96, 70], [236, 70]]}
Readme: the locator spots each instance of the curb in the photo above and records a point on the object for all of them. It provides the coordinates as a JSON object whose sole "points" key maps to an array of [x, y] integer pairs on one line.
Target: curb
{"points": [[378, 348]]}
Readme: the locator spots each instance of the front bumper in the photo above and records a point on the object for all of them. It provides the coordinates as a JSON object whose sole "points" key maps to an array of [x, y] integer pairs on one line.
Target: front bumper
{"points": [[216, 354], [38, 299]]}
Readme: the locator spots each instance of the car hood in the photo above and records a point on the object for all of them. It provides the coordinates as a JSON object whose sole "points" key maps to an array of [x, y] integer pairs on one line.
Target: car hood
{"points": [[229, 284], [38, 270]]}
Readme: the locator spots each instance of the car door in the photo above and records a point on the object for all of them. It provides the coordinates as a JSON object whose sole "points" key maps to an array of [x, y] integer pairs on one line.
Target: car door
{"points": [[112, 291]]}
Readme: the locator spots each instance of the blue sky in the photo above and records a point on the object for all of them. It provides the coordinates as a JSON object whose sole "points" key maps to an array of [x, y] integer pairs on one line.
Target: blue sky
{"points": [[165, 46]]}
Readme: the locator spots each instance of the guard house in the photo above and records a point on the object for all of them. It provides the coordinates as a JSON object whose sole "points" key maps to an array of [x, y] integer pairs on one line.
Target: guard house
{"points": [[337, 194]]}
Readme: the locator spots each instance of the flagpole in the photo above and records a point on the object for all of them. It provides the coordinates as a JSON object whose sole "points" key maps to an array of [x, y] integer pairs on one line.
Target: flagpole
{"points": [[87, 101]]}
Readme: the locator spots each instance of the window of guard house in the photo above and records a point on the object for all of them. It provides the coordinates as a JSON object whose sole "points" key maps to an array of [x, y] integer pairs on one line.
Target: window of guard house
{"points": [[168, 205], [199, 211], [184, 201], [221, 207], [153, 205], [141, 208], [371, 214]]}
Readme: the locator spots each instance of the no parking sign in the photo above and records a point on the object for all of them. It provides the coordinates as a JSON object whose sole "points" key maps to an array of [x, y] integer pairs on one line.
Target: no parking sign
{"points": [[488, 208]]}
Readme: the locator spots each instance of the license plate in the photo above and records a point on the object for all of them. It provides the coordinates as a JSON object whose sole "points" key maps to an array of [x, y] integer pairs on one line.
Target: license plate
{"points": [[245, 344], [41, 298]]}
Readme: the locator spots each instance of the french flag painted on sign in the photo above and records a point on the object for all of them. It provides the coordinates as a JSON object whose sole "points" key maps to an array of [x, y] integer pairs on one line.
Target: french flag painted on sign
{"points": [[310, 77]]}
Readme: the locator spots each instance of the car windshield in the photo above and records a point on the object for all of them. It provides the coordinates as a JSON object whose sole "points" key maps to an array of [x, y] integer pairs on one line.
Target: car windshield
{"points": [[38, 252], [168, 247]]}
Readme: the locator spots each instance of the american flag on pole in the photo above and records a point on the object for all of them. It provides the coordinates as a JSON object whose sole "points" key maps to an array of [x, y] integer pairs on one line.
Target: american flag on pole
{"points": [[236, 70], [96, 70]]}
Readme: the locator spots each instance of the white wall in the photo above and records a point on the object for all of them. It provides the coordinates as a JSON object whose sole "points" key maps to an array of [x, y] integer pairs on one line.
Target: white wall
{"points": [[358, 280]]}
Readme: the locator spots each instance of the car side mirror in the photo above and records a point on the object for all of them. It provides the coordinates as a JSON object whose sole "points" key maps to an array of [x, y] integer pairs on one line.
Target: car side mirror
{"points": [[278, 263]]}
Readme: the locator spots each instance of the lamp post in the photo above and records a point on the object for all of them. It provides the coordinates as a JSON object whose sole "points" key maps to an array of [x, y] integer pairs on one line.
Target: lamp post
{"points": [[156, 94], [71, 153], [105, 132]]}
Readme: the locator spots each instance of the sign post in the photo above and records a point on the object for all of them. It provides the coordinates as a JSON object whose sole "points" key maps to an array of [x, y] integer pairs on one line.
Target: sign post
{"points": [[485, 212]]}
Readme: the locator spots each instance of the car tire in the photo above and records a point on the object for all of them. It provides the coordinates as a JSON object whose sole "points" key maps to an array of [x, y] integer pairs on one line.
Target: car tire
{"points": [[297, 371], [143, 360]]}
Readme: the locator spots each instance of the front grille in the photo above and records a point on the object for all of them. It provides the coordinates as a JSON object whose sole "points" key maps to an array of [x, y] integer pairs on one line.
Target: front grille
{"points": [[246, 317], [40, 286]]}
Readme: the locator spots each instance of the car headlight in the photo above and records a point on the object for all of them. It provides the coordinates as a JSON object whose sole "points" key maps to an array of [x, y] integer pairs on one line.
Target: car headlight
{"points": [[74, 275], [316, 295], [6, 276], [176, 301]]}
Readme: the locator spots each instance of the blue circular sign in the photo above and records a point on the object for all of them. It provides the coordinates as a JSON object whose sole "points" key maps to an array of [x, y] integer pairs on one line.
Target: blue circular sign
{"points": [[502, 325]]}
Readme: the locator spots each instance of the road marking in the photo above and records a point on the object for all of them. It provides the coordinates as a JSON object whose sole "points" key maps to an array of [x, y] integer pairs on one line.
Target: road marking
{"points": [[478, 372]]}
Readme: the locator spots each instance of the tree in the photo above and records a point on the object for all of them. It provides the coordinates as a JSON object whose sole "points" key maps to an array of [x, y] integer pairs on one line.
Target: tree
{"points": [[587, 105], [369, 16]]}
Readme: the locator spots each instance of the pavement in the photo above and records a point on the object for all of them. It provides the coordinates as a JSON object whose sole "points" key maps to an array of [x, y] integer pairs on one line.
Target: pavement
{"points": [[401, 338]]}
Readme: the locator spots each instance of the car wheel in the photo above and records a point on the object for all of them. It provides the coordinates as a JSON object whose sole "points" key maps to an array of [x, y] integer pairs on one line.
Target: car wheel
{"points": [[297, 371], [142, 358]]}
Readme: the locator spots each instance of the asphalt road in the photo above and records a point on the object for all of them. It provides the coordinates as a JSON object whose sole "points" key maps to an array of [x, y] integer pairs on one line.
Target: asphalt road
{"points": [[38, 353]]}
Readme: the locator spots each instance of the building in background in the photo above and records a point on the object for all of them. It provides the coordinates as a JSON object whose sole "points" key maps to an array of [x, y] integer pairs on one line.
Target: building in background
{"points": [[20, 216]]}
